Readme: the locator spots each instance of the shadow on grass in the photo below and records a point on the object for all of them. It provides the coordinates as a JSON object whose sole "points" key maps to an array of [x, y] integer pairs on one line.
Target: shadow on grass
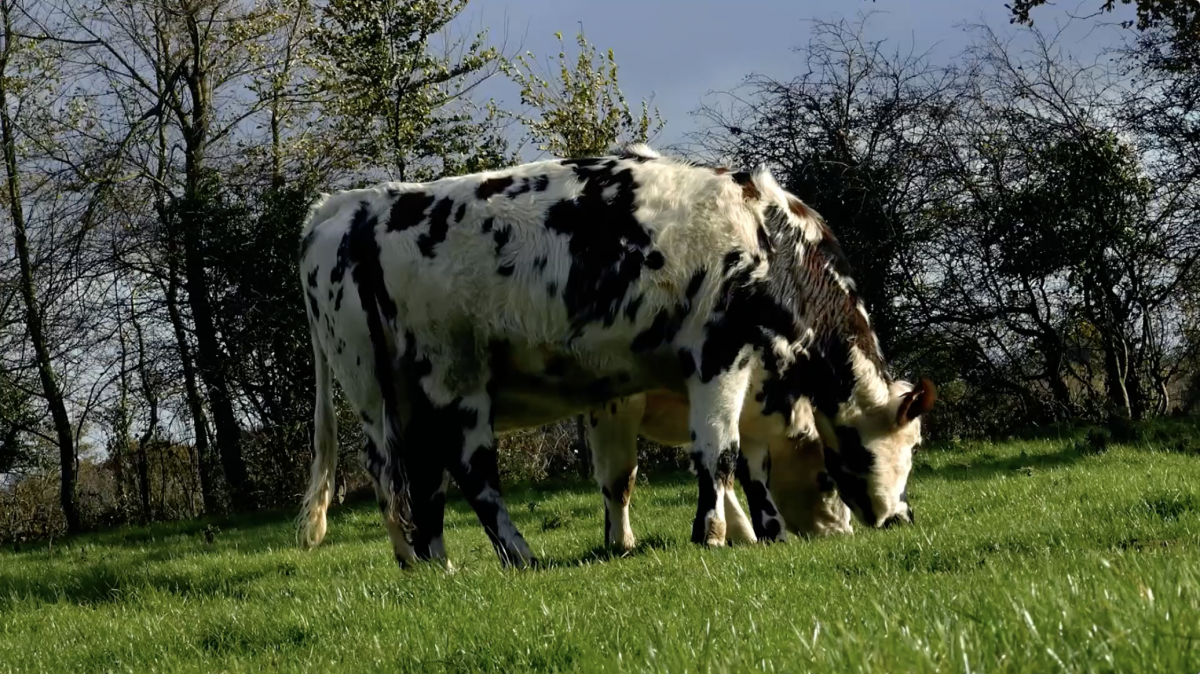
{"points": [[115, 581], [984, 466], [254, 533], [601, 553]]}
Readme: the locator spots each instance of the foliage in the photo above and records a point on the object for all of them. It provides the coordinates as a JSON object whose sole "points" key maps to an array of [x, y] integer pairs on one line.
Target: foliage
{"points": [[1009, 235], [582, 112], [17, 420], [1180, 15], [380, 78]]}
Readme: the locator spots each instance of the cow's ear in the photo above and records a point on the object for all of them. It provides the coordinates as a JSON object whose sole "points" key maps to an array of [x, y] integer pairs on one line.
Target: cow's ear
{"points": [[916, 402]]}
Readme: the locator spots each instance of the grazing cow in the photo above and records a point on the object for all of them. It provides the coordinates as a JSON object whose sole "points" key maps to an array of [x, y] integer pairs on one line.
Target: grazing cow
{"points": [[453, 310], [804, 492]]}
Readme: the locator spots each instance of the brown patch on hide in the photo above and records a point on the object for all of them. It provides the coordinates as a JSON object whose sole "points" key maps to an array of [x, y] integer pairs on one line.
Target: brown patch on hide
{"points": [[749, 189], [622, 487], [801, 210]]}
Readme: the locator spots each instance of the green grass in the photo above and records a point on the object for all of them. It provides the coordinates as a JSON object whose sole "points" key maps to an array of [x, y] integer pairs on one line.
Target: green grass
{"points": [[1026, 556]]}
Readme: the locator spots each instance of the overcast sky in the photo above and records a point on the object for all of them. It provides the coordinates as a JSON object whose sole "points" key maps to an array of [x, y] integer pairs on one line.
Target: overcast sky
{"points": [[678, 50]]}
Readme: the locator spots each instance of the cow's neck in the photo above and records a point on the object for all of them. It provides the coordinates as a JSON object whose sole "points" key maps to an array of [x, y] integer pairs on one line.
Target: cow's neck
{"points": [[842, 357]]}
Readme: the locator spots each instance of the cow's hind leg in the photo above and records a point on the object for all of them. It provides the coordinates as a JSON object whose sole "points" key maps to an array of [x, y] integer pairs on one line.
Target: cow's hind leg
{"points": [[459, 428], [714, 409], [475, 471], [611, 435], [378, 464], [753, 472]]}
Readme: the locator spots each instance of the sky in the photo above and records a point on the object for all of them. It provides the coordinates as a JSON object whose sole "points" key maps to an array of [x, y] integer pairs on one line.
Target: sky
{"points": [[679, 50]]}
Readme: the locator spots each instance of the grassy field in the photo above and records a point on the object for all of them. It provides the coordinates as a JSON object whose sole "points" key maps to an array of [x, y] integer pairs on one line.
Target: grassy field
{"points": [[1027, 556]]}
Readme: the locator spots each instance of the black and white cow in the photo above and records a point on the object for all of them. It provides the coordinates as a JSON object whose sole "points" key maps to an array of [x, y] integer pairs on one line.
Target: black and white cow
{"points": [[455, 309], [800, 487]]}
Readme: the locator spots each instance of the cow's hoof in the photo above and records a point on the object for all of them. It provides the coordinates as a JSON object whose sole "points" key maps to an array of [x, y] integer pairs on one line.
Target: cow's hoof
{"points": [[517, 557], [714, 532], [623, 546]]}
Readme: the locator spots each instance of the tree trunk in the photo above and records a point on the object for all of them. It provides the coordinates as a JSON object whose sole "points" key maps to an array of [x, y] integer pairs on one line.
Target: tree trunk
{"points": [[33, 320], [195, 403], [209, 358], [119, 442], [585, 454], [1058, 387], [1114, 375], [147, 438]]}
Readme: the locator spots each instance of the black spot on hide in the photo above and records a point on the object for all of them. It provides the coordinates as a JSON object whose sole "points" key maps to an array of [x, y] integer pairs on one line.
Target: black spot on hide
{"points": [[687, 364], [632, 306], [312, 305], [539, 183], [307, 242], [492, 186], [707, 500], [758, 501], [439, 226], [850, 467], [732, 258], [667, 323], [607, 244], [408, 210], [500, 238]]}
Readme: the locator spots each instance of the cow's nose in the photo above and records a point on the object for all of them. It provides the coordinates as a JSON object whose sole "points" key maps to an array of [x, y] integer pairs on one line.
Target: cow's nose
{"points": [[898, 519]]}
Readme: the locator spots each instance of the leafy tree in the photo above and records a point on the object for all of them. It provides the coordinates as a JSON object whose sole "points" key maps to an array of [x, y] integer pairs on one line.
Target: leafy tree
{"points": [[17, 420], [402, 104], [852, 135], [23, 70], [583, 112], [1174, 23]]}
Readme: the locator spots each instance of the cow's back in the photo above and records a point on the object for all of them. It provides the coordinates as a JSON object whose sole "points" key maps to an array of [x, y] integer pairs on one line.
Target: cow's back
{"points": [[599, 256]]}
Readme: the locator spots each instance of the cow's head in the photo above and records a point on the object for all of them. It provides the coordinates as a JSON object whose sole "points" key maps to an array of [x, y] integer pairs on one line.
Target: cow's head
{"points": [[803, 491], [869, 447]]}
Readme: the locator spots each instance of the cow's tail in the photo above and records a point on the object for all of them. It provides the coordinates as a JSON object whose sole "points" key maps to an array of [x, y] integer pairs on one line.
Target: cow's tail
{"points": [[311, 523]]}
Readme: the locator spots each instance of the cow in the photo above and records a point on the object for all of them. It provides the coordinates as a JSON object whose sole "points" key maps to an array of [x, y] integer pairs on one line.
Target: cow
{"points": [[452, 310], [800, 486]]}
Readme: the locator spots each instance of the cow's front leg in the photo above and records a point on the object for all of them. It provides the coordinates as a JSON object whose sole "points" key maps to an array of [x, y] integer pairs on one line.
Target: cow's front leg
{"points": [[753, 472], [427, 485], [738, 528], [611, 434], [714, 409]]}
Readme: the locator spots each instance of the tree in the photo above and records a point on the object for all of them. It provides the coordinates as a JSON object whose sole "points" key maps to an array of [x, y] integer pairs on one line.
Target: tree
{"points": [[181, 64], [1173, 23], [852, 135], [402, 105], [583, 113], [17, 420], [16, 54]]}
